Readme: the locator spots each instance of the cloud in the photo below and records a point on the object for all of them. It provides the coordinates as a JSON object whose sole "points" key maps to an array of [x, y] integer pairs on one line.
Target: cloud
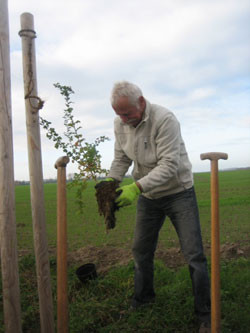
{"points": [[190, 56]]}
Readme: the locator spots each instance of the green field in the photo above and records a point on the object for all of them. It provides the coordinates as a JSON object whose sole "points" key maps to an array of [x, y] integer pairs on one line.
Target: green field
{"points": [[102, 305], [89, 228]]}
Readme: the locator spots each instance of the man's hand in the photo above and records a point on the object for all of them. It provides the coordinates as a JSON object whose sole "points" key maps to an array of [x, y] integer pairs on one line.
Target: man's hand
{"points": [[128, 194]]}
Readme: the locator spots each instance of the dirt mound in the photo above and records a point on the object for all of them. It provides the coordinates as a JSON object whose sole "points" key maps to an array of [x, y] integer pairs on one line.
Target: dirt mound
{"points": [[107, 257], [104, 257], [232, 251]]}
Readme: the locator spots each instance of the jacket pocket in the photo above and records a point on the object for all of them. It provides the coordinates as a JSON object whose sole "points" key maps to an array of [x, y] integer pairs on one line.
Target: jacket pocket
{"points": [[147, 152]]}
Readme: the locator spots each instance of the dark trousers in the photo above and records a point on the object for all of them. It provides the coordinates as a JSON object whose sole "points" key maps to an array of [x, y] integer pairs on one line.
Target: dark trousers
{"points": [[182, 210]]}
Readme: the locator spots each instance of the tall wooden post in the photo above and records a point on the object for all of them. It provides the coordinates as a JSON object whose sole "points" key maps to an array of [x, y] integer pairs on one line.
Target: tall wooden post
{"points": [[8, 242], [33, 104], [62, 287]]}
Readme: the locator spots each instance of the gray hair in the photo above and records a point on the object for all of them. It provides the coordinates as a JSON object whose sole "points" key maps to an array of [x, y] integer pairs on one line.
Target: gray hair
{"points": [[125, 89]]}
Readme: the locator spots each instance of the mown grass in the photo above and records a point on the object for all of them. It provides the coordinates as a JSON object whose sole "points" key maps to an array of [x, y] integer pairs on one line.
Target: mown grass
{"points": [[102, 305]]}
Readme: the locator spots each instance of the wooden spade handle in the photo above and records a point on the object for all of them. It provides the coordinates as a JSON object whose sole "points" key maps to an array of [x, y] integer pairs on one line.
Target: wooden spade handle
{"points": [[62, 162], [215, 239], [214, 156], [62, 281]]}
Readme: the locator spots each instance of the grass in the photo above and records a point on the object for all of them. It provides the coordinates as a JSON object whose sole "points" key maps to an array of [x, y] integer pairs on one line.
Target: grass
{"points": [[102, 305], [89, 229], [234, 198]]}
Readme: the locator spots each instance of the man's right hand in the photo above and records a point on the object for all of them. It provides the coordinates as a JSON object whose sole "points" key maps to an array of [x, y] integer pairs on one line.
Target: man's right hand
{"points": [[128, 194]]}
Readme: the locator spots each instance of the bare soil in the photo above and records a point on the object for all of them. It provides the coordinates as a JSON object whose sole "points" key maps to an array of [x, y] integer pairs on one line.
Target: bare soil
{"points": [[107, 257]]}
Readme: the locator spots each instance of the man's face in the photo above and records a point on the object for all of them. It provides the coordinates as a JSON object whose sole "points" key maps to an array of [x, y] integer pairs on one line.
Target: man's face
{"points": [[130, 114]]}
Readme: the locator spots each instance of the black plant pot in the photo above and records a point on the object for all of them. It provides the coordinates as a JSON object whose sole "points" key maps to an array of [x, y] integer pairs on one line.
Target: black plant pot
{"points": [[86, 272]]}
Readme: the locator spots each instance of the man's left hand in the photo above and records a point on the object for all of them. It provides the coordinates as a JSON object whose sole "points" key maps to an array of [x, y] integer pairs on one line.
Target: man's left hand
{"points": [[128, 195]]}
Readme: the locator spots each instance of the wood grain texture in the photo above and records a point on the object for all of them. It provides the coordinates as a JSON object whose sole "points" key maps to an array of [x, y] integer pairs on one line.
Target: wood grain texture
{"points": [[62, 281], [215, 239], [8, 242], [36, 174], [215, 250]]}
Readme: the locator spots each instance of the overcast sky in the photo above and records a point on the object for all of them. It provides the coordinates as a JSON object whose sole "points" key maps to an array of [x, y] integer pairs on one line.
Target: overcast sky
{"points": [[192, 57]]}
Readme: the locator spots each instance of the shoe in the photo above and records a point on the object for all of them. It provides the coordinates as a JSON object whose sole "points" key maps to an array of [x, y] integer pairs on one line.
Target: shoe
{"points": [[205, 327], [135, 305]]}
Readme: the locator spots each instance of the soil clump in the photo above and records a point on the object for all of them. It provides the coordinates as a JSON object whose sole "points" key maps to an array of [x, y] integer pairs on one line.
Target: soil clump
{"points": [[106, 195]]}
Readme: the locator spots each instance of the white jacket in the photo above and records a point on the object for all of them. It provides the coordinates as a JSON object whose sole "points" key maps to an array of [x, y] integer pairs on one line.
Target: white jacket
{"points": [[161, 163]]}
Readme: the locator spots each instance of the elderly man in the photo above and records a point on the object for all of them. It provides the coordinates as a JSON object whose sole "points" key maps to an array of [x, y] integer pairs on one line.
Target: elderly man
{"points": [[149, 136]]}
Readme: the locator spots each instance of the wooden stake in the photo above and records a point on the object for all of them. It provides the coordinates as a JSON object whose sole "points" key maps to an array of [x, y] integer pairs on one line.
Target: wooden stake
{"points": [[33, 104], [8, 242], [62, 288]]}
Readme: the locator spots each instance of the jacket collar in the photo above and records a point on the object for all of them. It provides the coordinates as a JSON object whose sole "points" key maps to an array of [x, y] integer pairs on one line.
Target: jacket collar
{"points": [[146, 111]]}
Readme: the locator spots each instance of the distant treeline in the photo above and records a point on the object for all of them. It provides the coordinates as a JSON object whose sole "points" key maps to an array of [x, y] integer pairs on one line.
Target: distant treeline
{"points": [[54, 180], [27, 182], [69, 178]]}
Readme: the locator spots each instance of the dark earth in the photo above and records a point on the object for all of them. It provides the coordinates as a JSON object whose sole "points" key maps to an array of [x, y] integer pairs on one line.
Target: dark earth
{"points": [[105, 196], [107, 257]]}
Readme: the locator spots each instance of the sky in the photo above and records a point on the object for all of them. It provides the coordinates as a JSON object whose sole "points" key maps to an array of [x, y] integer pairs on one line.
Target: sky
{"points": [[192, 57]]}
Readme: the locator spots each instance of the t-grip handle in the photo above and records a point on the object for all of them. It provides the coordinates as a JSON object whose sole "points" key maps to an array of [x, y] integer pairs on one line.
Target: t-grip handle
{"points": [[214, 156]]}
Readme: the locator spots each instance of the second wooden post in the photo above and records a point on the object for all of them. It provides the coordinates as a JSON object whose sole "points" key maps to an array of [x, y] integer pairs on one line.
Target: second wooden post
{"points": [[32, 105]]}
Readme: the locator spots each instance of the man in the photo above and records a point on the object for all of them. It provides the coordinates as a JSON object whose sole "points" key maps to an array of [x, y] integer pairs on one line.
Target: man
{"points": [[149, 136]]}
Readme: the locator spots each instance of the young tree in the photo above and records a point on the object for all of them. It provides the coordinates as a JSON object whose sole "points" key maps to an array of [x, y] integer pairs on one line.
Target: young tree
{"points": [[84, 154]]}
